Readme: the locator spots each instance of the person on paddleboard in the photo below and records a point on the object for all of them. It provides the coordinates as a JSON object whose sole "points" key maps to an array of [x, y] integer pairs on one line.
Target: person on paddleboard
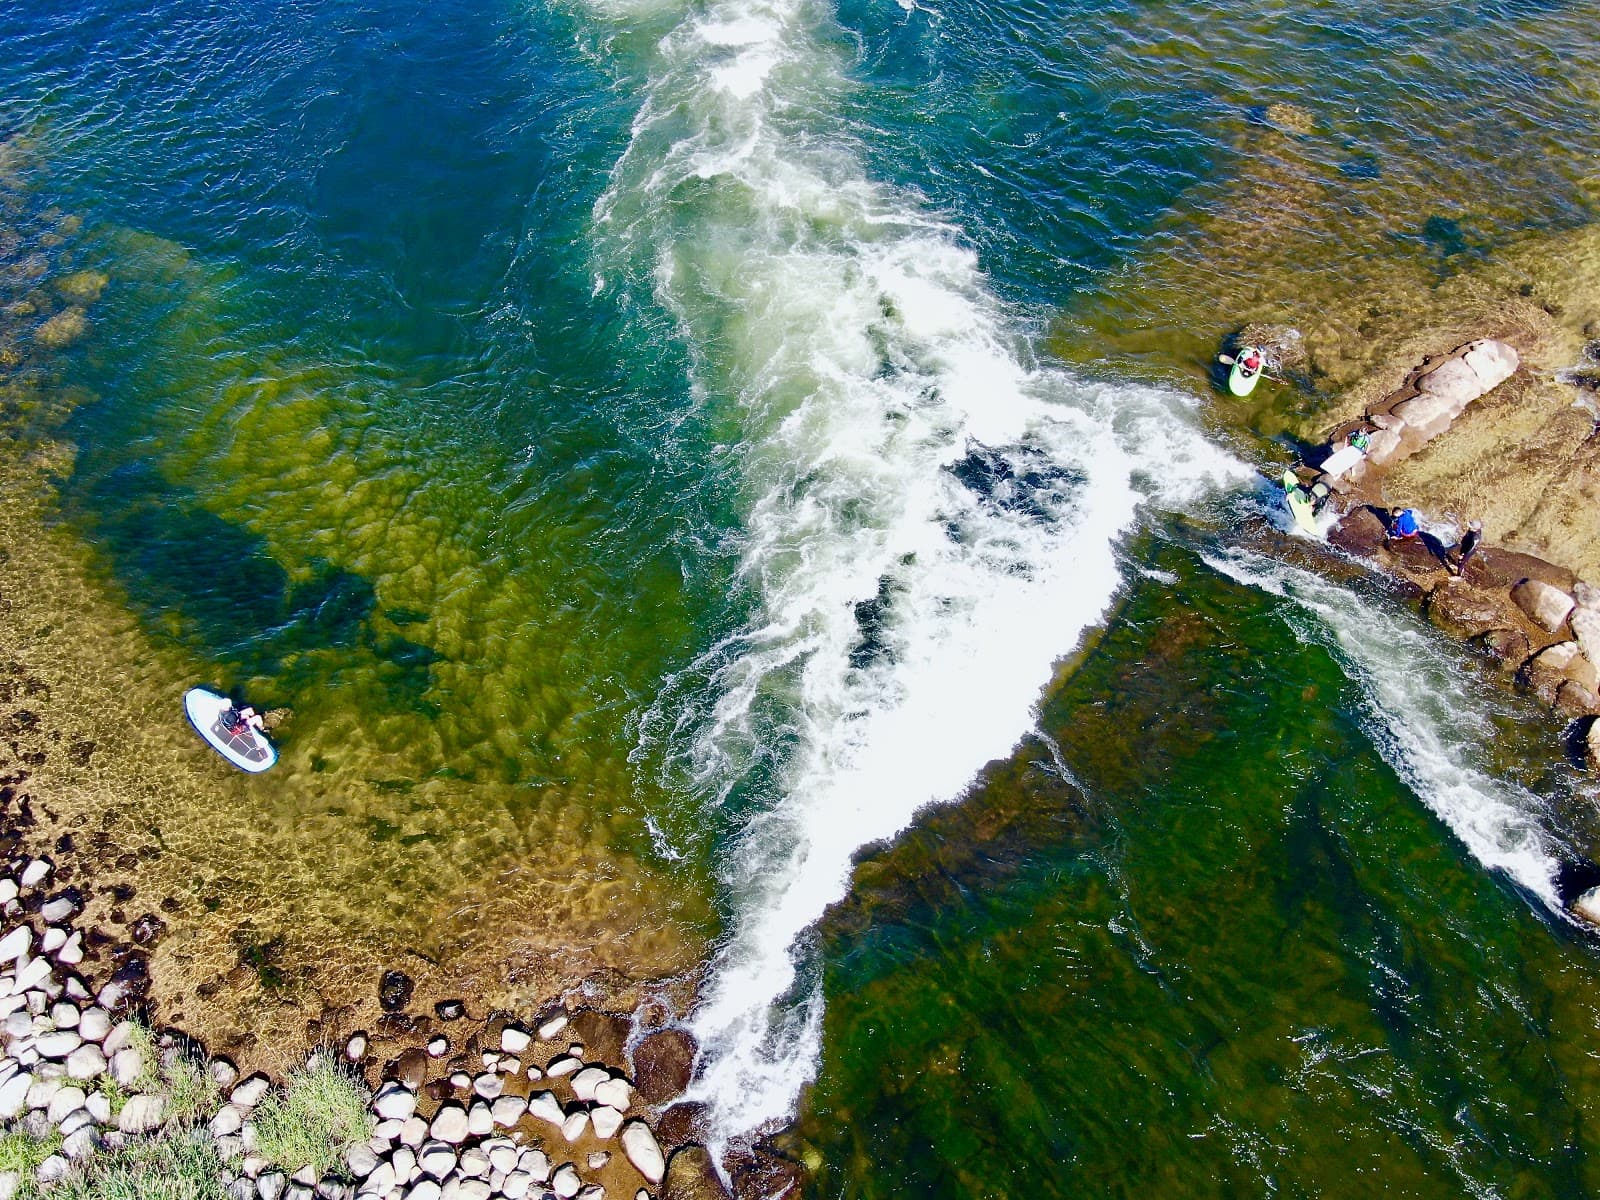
{"points": [[238, 720]]}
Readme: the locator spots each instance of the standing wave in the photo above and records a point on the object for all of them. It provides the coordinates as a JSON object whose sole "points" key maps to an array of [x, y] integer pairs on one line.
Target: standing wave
{"points": [[928, 517]]}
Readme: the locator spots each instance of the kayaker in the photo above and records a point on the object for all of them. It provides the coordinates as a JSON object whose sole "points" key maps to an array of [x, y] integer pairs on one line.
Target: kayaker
{"points": [[1252, 360]]}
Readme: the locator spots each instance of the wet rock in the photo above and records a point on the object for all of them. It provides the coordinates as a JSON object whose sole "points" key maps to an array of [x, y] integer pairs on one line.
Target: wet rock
{"points": [[681, 1124], [1508, 647], [450, 1010], [604, 1035], [663, 1065], [692, 1176], [438, 1047], [147, 930], [1545, 605], [394, 990], [758, 1173], [1574, 699], [1547, 669], [411, 1068], [1463, 611], [356, 1048]]}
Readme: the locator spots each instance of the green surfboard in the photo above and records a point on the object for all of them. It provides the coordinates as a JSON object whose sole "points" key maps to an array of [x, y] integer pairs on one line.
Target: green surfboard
{"points": [[1301, 504]]}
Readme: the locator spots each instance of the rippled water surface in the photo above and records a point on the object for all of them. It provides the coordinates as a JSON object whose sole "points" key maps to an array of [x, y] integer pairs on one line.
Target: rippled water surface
{"points": [[637, 441]]}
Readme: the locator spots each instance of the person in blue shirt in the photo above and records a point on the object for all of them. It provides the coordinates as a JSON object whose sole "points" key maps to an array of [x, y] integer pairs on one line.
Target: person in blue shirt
{"points": [[1403, 524]]}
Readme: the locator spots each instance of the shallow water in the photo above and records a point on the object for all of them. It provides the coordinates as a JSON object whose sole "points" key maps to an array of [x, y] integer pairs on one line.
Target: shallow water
{"points": [[623, 436]]}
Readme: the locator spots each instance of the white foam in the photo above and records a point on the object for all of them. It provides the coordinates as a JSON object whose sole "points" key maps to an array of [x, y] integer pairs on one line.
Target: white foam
{"points": [[1423, 722], [853, 340]]}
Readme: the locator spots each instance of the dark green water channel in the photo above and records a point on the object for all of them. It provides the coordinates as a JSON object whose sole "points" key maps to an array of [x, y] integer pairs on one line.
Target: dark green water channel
{"points": [[1207, 946]]}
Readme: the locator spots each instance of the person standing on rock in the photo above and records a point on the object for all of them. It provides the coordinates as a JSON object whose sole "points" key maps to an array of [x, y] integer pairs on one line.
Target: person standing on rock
{"points": [[1467, 547]]}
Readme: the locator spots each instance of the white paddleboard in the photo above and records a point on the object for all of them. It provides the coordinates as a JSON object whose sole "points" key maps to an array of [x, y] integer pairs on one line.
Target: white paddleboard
{"points": [[248, 750], [1341, 460]]}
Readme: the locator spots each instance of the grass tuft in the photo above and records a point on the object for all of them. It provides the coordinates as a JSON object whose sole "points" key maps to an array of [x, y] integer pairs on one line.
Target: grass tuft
{"points": [[23, 1154], [173, 1166], [192, 1095], [312, 1122]]}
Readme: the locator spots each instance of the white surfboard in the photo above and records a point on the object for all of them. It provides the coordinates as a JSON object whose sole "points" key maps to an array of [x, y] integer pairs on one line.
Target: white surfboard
{"points": [[248, 750]]}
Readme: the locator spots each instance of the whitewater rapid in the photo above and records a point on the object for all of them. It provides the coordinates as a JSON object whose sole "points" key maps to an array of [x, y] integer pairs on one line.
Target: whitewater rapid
{"points": [[929, 516]]}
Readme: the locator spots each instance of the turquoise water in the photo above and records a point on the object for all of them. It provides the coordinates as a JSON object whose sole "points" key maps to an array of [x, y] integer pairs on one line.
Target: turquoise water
{"points": [[627, 425]]}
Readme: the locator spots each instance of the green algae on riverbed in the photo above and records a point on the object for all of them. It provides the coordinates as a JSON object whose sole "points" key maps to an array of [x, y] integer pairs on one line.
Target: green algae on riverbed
{"points": [[1206, 944]]}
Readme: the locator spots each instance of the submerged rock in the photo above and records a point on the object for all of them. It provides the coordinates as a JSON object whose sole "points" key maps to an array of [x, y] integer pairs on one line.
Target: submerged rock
{"points": [[394, 990], [663, 1065]]}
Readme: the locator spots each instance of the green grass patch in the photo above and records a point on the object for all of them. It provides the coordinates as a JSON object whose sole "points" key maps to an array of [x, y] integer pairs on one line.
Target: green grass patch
{"points": [[176, 1166], [311, 1123], [192, 1095], [23, 1154]]}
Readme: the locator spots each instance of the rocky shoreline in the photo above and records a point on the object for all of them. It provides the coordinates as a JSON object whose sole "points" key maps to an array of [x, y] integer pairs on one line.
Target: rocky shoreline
{"points": [[562, 1102]]}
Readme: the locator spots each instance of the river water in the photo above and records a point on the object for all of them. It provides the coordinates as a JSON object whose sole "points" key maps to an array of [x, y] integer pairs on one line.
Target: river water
{"points": [[656, 451]]}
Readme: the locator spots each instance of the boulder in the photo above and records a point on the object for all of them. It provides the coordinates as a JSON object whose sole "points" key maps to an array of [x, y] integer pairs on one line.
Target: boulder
{"points": [[425, 1189], [16, 943], [57, 1045], [474, 1163], [1585, 619], [575, 1126], [606, 1121], [643, 1151], [411, 1068], [86, 1062], [436, 1159], [691, 1175], [681, 1124], [565, 1182], [615, 1092], [1493, 362], [1576, 700], [1546, 606], [66, 1101], [450, 1124], [546, 1107], [508, 1110], [142, 1113], [1591, 752], [480, 1119], [94, 1025], [360, 1161], [585, 1081], [248, 1094], [229, 1120], [663, 1065], [514, 1040], [393, 1102], [394, 990], [552, 1025], [1587, 906], [536, 1163]]}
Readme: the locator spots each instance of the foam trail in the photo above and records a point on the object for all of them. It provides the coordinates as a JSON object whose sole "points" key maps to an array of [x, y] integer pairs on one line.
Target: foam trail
{"points": [[929, 518], [1418, 721]]}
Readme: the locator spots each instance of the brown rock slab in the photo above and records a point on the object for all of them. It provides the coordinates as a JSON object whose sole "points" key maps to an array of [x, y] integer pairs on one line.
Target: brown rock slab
{"points": [[663, 1064], [682, 1123], [1508, 647], [603, 1034], [759, 1174], [1494, 566], [1572, 697], [1359, 532], [691, 1176], [411, 1068], [1464, 611]]}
